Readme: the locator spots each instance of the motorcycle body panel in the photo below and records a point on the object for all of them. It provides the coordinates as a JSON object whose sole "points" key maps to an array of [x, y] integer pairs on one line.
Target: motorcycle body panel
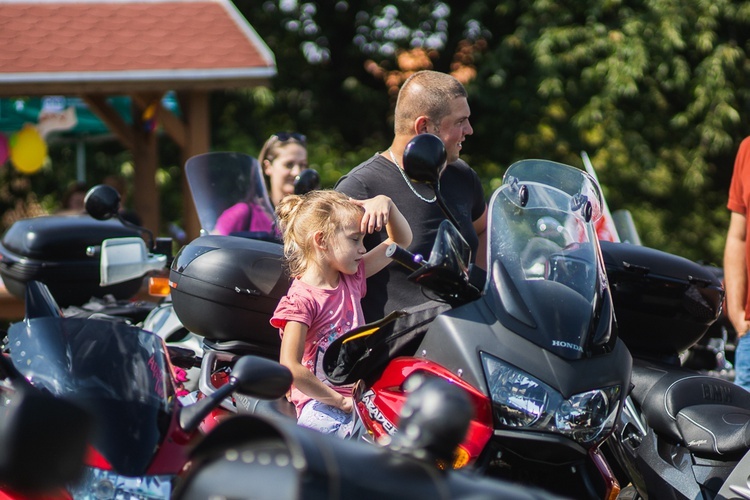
{"points": [[117, 372], [53, 249], [664, 303], [303, 463]]}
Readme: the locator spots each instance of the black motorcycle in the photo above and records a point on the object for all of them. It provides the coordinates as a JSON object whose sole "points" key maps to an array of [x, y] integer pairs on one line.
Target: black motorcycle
{"points": [[534, 344], [682, 433]]}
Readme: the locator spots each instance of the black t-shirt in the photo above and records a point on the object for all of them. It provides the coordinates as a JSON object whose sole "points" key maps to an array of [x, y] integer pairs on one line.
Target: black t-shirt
{"points": [[462, 192]]}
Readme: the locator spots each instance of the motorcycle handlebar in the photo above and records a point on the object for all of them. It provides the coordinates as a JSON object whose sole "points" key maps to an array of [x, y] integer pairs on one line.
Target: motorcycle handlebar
{"points": [[411, 261]]}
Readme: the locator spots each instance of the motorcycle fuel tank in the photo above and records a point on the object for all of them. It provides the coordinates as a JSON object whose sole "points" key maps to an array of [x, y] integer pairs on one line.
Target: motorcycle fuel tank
{"points": [[226, 288]]}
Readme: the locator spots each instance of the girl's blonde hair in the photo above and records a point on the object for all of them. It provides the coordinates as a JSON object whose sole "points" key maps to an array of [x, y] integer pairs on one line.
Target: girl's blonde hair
{"points": [[300, 217]]}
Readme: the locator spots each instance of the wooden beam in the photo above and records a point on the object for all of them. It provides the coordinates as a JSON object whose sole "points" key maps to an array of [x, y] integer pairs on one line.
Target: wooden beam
{"points": [[109, 116]]}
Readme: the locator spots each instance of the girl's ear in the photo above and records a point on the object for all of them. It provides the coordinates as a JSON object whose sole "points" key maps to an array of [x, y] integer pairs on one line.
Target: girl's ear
{"points": [[319, 240]]}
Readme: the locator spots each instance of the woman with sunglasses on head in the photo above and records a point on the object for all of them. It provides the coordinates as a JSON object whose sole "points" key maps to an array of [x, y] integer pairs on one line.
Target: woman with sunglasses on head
{"points": [[282, 158]]}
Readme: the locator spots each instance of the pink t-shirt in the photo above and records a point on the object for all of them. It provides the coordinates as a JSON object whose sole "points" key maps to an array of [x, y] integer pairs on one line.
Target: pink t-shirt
{"points": [[328, 314]]}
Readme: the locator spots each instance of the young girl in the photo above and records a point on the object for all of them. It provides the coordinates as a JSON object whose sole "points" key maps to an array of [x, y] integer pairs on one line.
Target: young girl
{"points": [[323, 232]]}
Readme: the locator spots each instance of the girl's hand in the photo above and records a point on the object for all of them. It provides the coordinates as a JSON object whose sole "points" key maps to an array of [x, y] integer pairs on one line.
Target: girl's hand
{"points": [[377, 211], [347, 405]]}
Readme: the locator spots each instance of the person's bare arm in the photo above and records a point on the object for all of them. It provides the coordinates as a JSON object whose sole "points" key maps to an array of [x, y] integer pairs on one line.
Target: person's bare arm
{"points": [[381, 211], [480, 226], [735, 272], [292, 349]]}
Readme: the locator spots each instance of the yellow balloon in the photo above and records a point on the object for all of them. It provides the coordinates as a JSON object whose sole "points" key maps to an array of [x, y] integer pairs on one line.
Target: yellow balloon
{"points": [[28, 150]]}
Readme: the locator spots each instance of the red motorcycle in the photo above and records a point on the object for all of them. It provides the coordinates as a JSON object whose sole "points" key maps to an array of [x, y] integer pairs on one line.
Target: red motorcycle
{"points": [[121, 375]]}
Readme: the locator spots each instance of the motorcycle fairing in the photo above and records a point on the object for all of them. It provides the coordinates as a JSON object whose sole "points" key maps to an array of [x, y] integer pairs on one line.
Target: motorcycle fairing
{"points": [[117, 372], [457, 337]]}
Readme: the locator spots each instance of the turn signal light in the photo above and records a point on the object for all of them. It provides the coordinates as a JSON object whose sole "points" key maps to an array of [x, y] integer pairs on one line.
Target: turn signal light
{"points": [[158, 287], [460, 458]]}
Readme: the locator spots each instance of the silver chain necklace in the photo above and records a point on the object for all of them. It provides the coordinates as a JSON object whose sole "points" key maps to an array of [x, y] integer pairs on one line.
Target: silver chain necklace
{"points": [[408, 182]]}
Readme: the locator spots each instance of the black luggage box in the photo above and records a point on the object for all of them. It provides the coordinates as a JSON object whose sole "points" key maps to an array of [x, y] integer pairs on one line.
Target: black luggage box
{"points": [[663, 303], [226, 288], [52, 249]]}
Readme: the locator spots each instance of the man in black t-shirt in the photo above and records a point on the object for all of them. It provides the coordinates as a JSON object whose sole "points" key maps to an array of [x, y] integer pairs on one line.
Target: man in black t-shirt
{"points": [[435, 103]]}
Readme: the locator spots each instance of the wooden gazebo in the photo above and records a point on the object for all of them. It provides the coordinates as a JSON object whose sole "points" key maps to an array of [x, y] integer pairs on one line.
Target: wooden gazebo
{"points": [[140, 48]]}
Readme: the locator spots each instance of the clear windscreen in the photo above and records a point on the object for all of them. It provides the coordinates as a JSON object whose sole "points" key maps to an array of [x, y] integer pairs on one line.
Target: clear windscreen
{"points": [[229, 193], [545, 265], [118, 372]]}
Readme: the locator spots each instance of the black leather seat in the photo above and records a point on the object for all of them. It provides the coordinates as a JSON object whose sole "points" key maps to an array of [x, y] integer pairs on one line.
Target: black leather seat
{"points": [[709, 415]]}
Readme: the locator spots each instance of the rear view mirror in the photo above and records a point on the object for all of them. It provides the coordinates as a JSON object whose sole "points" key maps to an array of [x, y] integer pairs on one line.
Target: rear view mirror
{"points": [[43, 441], [424, 158], [102, 202], [123, 259]]}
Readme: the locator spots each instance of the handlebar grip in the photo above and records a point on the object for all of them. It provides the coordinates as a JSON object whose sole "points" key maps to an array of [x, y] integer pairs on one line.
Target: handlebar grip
{"points": [[404, 257]]}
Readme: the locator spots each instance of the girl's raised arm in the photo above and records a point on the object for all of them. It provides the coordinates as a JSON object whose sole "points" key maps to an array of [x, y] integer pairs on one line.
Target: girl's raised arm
{"points": [[381, 211]]}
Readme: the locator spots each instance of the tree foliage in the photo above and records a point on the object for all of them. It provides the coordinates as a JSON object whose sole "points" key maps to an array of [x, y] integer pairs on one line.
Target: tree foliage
{"points": [[655, 92]]}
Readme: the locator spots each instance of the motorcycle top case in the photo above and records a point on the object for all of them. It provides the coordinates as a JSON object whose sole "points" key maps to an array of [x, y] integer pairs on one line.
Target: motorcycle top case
{"points": [[52, 249], [663, 303], [226, 288]]}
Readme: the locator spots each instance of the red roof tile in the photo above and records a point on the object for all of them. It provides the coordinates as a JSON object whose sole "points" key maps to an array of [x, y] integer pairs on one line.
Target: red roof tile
{"points": [[109, 41]]}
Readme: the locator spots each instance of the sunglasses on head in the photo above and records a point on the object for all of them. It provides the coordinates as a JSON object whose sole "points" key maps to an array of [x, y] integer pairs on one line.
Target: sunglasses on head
{"points": [[285, 136]]}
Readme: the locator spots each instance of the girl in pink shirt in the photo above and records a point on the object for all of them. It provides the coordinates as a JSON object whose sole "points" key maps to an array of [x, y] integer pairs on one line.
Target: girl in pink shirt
{"points": [[323, 232]]}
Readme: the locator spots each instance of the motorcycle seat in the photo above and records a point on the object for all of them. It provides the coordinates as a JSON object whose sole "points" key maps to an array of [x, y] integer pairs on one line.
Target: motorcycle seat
{"points": [[709, 415], [715, 430]]}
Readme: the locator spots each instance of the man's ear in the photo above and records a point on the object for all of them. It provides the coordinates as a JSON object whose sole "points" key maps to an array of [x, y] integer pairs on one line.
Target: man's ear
{"points": [[420, 124]]}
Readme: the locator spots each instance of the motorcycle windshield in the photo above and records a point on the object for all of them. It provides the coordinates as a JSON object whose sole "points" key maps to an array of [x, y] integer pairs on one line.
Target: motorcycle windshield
{"points": [[229, 193], [545, 263], [118, 372]]}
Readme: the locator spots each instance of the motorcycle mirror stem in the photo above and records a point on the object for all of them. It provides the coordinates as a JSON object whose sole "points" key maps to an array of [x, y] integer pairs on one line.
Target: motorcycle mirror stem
{"points": [[252, 376]]}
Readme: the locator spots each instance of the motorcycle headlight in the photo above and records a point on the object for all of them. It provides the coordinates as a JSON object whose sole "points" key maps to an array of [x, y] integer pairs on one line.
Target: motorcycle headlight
{"points": [[523, 401]]}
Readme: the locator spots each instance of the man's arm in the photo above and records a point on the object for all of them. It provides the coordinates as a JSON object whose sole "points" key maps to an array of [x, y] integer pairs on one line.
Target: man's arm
{"points": [[480, 226], [735, 272]]}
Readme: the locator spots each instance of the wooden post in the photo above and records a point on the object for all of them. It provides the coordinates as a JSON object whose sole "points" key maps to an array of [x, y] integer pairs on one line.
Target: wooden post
{"points": [[195, 106], [146, 159]]}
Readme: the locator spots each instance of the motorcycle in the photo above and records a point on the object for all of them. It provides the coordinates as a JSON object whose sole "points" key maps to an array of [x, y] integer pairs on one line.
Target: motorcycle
{"points": [[217, 181], [37, 460], [534, 344], [121, 376], [62, 252], [276, 459], [682, 433]]}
